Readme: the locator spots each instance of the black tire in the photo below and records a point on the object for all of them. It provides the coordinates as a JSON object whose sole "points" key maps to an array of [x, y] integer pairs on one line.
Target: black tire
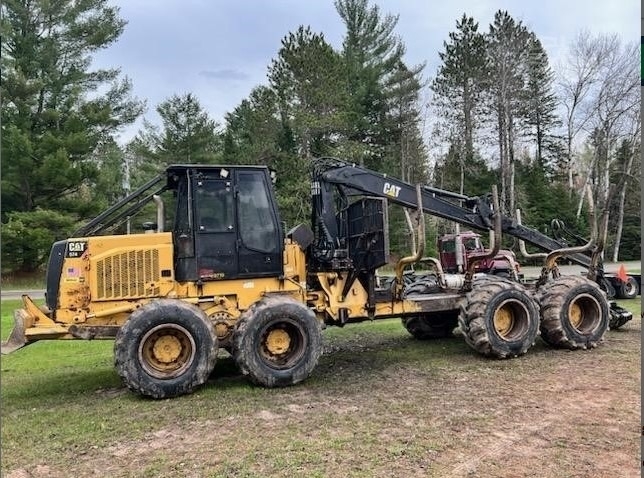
{"points": [[628, 289], [574, 313], [499, 318], [428, 284], [186, 360], [503, 274], [277, 342], [436, 325]]}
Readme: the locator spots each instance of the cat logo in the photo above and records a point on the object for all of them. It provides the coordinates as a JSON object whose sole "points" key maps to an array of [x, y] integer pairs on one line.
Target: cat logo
{"points": [[76, 248], [391, 190]]}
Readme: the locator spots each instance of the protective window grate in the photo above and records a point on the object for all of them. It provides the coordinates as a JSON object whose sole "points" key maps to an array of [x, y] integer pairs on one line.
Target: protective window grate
{"points": [[128, 275]]}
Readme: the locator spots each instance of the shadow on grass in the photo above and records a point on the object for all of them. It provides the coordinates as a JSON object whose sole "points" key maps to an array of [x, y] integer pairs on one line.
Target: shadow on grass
{"points": [[354, 357], [359, 358], [60, 385]]}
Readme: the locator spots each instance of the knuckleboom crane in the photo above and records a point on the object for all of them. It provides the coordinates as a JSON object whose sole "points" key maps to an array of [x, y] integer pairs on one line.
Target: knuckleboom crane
{"points": [[225, 275]]}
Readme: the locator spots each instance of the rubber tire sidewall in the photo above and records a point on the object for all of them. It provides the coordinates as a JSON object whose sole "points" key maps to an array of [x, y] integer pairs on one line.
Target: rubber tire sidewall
{"points": [[159, 312], [554, 305], [477, 317], [246, 342], [624, 293]]}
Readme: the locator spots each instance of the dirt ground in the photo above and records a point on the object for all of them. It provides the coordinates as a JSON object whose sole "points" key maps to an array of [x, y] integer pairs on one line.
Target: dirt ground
{"points": [[384, 405]]}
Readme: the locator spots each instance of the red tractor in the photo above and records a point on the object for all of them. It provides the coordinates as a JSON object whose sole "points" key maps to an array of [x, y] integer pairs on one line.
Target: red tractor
{"points": [[455, 251]]}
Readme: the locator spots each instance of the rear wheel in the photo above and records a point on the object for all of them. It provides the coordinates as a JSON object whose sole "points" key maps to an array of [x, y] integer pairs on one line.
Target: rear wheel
{"points": [[574, 313], [499, 318], [437, 325], [167, 348], [277, 342], [628, 289], [505, 274]]}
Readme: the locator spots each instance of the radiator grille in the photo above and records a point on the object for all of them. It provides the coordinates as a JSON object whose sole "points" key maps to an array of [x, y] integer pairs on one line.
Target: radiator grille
{"points": [[128, 275]]}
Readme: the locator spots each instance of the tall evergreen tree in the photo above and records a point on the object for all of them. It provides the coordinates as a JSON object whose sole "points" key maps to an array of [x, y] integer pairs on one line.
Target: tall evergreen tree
{"points": [[460, 83], [508, 47], [372, 54], [53, 112], [540, 107], [253, 132], [187, 135], [406, 153], [307, 78], [57, 113], [458, 93]]}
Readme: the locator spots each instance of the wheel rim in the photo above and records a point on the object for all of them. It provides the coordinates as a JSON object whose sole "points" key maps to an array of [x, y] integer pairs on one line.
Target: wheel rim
{"points": [[278, 341], [166, 351], [282, 344], [584, 313], [511, 320]]}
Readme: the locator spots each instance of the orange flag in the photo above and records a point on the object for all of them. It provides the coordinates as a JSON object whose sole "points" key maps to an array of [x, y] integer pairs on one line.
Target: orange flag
{"points": [[621, 274]]}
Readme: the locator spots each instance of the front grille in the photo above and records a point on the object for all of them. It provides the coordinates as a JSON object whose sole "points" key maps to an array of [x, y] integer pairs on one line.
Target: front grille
{"points": [[128, 275]]}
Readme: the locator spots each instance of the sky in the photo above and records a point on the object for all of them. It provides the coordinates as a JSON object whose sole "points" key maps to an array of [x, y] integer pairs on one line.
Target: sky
{"points": [[220, 49]]}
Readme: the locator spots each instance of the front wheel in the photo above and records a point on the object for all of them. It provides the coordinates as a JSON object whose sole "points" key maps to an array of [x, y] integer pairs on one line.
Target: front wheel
{"points": [[277, 342], [574, 313], [499, 318], [166, 348]]}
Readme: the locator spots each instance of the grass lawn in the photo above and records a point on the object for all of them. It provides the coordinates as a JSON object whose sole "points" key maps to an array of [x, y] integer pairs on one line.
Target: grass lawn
{"points": [[379, 404]]}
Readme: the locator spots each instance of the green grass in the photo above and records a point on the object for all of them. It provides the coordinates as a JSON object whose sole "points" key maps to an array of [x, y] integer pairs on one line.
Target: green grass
{"points": [[632, 305], [32, 281]]}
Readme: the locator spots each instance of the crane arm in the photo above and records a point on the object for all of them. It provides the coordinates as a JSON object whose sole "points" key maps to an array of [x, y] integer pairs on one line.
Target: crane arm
{"points": [[474, 212]]}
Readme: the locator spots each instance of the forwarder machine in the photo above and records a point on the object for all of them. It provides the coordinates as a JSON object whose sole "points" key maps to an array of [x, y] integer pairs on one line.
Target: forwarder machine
{"points": [[226, 275]]}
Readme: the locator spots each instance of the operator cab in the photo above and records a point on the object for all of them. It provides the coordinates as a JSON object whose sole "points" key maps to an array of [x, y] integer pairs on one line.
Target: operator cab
{"points": [[226, 223], [454, 249]]}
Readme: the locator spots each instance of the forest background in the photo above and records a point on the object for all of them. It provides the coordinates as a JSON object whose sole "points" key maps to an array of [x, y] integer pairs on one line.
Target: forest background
{"points": [[494, 112]]}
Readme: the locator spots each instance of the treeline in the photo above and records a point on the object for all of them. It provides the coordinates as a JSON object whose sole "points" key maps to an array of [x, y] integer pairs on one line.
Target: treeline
{"points": [[497, 114]]}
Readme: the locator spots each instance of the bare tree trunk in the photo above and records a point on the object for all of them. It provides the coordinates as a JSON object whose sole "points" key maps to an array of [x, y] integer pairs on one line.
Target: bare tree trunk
{"points": [[620, 224], [622, 199], [511, 165], [583, 188], [502, 156]]}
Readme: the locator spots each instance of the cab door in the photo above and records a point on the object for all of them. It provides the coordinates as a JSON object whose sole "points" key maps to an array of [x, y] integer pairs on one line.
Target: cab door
{"points": [[215, 229], [260, 234]]}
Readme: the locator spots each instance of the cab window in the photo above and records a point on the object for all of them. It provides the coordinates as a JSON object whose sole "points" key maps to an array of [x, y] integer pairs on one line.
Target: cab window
{"points": [[214, 207], [257, 222]]}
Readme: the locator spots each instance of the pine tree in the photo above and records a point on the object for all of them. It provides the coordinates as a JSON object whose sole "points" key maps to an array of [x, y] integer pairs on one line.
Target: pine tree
{"points": [[57, 113], [256, 135], [307, 79], [372, 54], [187, 135], [508, 47], [406, 153], [541, 107], [460, 83], [253, 129], [53, 114]]}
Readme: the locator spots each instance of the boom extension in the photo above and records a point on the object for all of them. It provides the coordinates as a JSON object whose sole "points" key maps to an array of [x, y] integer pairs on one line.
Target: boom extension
{"points": [[477, 213]]}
